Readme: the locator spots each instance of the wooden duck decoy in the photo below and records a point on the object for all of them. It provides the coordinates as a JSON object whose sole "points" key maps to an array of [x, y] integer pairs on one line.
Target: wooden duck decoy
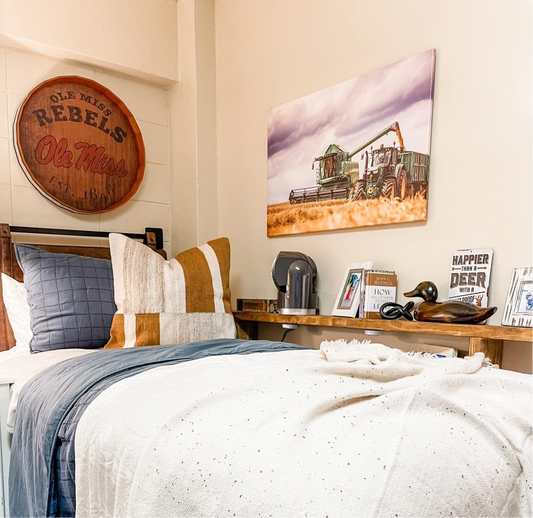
{"points": [[450, 312]]}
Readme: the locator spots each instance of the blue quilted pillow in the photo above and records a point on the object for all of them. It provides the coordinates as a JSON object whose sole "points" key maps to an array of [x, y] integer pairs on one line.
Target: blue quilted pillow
{"points": [[71, 299]]}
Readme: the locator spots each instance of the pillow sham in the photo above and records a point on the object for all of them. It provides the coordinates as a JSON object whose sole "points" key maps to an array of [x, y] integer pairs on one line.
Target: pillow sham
{"points": [[163, 302], [18, 312], [70, 299]]}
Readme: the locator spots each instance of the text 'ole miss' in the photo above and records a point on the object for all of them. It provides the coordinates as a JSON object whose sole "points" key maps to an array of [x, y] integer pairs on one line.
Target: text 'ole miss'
{"points": [[92, 158]]}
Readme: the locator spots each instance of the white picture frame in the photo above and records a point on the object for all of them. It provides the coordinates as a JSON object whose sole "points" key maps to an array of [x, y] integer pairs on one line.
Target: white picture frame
{"points": [[518, 310], [349, 297]]}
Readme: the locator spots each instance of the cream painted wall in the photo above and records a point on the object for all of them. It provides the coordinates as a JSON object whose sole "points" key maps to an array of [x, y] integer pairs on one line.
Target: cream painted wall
{"points": [[480, 193], [138, 37], [193, 130], [21, 204]]}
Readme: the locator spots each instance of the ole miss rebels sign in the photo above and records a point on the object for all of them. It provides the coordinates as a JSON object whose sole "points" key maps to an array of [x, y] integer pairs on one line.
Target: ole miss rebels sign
{"points": [[79, 145]]}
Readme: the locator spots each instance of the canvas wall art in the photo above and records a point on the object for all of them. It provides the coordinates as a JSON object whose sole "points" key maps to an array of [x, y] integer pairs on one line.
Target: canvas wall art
{"points": [[354, 154]]}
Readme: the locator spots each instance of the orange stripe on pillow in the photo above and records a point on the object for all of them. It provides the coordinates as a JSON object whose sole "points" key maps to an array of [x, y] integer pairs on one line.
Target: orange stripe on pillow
{"points": [[170, 302], [118, 338], [198, 281], [222, 250], [147, 329]]}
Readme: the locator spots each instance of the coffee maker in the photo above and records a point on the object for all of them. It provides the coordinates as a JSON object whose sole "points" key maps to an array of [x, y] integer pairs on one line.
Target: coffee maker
{"points": [[294, 275]]}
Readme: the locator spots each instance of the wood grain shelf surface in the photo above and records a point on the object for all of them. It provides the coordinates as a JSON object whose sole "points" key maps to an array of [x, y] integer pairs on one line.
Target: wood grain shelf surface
{"points": [[403, 326]]}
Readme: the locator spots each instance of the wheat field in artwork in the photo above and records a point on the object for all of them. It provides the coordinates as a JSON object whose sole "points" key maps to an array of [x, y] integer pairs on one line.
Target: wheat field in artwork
{"points": [[285, 218]]}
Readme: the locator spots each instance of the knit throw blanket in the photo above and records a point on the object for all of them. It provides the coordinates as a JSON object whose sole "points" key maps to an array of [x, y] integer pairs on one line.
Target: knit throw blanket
{"points": [[350, 430]]}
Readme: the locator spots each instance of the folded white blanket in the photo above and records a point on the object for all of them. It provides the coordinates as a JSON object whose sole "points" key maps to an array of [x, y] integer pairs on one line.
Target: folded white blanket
{"points": [[386, 364], [291, 434]]}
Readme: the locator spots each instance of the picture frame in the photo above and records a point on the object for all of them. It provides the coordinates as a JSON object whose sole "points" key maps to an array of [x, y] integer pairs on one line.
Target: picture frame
{"points": [[519, 306], [349, 297]]}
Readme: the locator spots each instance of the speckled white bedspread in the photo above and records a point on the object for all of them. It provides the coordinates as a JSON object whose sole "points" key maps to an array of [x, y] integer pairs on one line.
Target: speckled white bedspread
{"points": [[289, 434]]}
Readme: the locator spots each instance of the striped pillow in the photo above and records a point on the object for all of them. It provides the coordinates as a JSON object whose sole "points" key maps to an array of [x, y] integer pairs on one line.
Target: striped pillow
{"points": [[163, 302]]}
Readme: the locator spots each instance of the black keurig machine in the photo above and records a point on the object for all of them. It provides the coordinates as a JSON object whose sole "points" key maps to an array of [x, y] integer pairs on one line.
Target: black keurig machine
{"points": [[294, 275]]}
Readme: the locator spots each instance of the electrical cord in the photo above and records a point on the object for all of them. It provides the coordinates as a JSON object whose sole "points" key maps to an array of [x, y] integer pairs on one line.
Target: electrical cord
{"points": [[285, 334]]}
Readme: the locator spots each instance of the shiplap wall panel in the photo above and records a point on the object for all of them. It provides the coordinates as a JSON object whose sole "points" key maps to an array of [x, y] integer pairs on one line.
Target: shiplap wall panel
{"points": [[3, 75], [156, 142], [13, 102], [25, 70], [128, 218], [4, 162], [145, 102], [4, 132], [17, 175], [32, 209], [155, 185], [5, 205], [21, 204]]}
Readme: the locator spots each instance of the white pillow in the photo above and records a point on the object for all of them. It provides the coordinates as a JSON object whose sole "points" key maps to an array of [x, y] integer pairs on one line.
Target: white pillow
{"points": [[18, 312]]}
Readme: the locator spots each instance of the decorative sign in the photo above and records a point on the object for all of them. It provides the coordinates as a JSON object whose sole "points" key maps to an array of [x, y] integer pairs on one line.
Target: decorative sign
{"points": [[79, 145], [470, 276]]}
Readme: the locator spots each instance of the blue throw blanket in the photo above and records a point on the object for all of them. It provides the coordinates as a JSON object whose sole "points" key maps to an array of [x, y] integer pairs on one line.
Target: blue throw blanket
{"points": [[41, 477]]}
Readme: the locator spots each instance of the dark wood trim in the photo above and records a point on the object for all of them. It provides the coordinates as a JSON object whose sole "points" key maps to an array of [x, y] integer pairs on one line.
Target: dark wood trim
{"points": [[152, 237], [67, 232], [247, 330], [7, 339]]}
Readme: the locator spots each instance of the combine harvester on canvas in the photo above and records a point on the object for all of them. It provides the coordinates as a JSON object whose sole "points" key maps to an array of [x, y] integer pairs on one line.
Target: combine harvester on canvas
{"points": [[376, 132]]}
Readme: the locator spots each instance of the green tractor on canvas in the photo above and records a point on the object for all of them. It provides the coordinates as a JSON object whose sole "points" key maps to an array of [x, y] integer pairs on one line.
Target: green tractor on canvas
{"points": [[389, 172]]}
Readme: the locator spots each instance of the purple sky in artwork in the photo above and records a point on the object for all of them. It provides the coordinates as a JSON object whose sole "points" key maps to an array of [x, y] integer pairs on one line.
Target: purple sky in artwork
{"points": [[348, 114]]}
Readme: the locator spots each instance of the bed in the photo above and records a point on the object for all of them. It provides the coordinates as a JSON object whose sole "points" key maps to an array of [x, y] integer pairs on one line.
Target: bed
{"points": [[230, 427], [152, 237]]}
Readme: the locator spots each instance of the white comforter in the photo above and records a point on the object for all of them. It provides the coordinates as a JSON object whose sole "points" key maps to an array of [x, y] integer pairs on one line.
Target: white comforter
{"points": [[289, 434]]}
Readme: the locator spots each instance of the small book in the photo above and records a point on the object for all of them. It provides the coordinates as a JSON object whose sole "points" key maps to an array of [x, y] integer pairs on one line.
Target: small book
{"points": [[379, 287]]}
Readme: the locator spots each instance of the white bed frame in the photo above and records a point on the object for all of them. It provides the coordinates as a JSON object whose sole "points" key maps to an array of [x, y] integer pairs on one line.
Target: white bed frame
{"points": [[5, 443]]}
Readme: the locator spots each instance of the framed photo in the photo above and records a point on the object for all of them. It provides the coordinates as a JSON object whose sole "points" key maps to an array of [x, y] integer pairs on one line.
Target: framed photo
{"points": [[519, 306], [349, 297]]}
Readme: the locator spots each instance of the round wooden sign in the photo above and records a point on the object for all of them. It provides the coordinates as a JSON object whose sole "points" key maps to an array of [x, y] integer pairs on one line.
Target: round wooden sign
{"points": [[79, 145]]}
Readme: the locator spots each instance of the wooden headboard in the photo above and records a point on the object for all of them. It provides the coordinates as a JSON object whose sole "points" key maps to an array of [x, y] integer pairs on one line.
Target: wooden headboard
{"points": [[153, 237]]}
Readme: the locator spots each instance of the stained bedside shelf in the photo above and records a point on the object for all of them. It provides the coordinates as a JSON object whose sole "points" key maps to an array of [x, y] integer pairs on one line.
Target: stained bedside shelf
{"points": [[487, 339]]}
